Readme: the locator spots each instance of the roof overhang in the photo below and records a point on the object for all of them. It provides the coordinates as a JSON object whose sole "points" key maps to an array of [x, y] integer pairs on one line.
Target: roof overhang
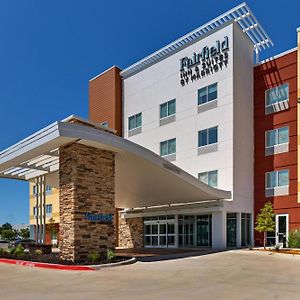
{"points": [[241, 14], [142, 178]]}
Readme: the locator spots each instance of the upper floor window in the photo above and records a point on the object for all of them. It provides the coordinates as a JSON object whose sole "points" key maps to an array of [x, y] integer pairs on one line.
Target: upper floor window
{"points": [[48, 189], [208, 136], [207, 94], [277, 179], [34, 211], [104, 124], [135, 121], [35, 190], [277, 94], [277, 99], [49, 209], [277, 136], [210, 178], [168, 147], [168, 109]]}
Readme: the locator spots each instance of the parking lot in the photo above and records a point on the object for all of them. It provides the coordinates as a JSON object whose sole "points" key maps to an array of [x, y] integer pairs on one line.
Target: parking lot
{"points": [[239, 274]]}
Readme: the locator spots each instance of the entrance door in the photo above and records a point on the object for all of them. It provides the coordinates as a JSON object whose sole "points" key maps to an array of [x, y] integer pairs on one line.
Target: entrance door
{"points": [[282, 223], [186, 231], [203, 226], [159, 231]]}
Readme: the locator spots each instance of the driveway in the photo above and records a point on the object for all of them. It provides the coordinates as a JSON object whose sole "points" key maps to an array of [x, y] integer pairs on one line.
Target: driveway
{"points": [[239, 274]]}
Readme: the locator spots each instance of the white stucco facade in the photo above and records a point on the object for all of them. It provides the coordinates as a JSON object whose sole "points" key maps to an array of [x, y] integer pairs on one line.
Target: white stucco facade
{"points": [[232, 113]]}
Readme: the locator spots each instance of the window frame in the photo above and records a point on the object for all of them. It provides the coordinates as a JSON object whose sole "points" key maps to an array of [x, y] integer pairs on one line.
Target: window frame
{"points": [[135, 118], [277, 179], [105, 124], [208, 173], [49, 206], [168, 104], [167, 141], [277, 137], [206, 91], [276, 87], [207, 136]]}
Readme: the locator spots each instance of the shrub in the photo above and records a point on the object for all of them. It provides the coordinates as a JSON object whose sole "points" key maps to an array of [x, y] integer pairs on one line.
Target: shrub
{"points": [[94, 256], [2, 251], [294, 239], [38, 252], [19, 251], [111, 255], [12, 250]]}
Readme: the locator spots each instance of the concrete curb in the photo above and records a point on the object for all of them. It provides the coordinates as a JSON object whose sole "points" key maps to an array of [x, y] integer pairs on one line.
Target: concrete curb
{"points": [[65, 267], [120, 263]]}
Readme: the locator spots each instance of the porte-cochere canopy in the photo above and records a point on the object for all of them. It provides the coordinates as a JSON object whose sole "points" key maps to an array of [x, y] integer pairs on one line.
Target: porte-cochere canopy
{"points": [[142, 178]]}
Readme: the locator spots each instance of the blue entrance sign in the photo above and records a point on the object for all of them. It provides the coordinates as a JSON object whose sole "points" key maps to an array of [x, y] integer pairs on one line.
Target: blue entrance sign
{"points": [[101, 218]]}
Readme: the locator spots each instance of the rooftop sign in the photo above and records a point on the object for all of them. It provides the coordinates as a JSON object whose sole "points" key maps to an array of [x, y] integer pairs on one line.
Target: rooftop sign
{"points": [[208, 61]]}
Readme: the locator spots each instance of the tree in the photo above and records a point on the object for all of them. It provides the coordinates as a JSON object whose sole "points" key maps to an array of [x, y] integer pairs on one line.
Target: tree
{"points": [[8, 234], [6, 226], [265, 221], [24, 233]]}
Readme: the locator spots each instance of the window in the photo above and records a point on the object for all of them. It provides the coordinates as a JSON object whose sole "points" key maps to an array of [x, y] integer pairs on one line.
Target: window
{"points": [[208, 136], [277, 94], [210, 178], [245, 229], [34, 211], [104, 124], [277, 136], [231, 229], [207, 94], [35, 190], [168, 147], [168, 109], [48, 189], [135, 121], [277, 179], [49, 209]]}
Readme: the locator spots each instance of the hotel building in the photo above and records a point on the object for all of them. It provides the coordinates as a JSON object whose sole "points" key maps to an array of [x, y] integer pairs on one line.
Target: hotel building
{"points": [[200, 135]]}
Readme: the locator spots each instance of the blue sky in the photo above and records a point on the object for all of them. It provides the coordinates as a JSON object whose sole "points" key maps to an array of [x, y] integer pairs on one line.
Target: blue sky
{"points": [[50, 49]]}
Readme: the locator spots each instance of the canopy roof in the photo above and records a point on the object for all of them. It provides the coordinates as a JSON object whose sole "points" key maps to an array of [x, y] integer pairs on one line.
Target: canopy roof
{"points": [[142, 178]]}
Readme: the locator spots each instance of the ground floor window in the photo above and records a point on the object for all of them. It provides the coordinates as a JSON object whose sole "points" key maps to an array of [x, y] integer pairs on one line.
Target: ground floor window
{"points": [[187, 231], [231, 230], [245, 230]]}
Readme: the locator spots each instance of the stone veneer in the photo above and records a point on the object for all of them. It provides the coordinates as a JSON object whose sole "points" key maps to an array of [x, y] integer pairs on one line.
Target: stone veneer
{"points": [[86, 185], [131, 232]]}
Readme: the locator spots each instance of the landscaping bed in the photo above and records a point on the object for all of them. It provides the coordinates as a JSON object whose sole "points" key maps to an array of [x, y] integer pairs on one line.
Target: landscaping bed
{"points": [[283, 250], [54, 258], [46, 256]]}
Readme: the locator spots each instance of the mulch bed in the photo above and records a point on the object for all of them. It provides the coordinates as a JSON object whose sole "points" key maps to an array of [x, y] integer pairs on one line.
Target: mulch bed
{"points": [[283, 251], [54, 258]]}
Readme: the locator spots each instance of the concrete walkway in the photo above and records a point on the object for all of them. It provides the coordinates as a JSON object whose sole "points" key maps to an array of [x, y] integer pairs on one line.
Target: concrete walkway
{"points": [[239, 274]]}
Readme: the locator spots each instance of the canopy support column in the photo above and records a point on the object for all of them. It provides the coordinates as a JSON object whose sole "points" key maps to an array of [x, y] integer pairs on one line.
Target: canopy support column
{"points": [[40, 195]]}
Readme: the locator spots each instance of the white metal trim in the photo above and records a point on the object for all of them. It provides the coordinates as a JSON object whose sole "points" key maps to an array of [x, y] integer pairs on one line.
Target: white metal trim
{"points": [[240, 14]]}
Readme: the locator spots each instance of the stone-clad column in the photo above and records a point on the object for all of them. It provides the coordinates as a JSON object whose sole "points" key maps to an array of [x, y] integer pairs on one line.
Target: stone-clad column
{"points": [[86, 186]]}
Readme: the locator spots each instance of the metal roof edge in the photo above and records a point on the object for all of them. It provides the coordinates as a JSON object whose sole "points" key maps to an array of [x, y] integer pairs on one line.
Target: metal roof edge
{"points": [[240, 14]]}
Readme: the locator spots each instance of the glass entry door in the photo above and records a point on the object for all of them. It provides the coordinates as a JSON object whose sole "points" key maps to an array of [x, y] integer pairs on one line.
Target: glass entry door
{"points": [[159, 231], [281, 230], [186, 230], [203, 229]]}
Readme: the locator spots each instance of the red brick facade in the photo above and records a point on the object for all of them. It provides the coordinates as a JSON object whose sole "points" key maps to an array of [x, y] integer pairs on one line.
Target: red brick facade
{"points": [[268, 75]]}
